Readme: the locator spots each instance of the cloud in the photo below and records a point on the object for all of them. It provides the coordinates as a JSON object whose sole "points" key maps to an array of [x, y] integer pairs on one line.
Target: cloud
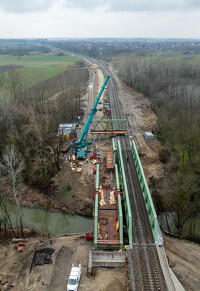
{"points": [[133, 5], [23, 6]]}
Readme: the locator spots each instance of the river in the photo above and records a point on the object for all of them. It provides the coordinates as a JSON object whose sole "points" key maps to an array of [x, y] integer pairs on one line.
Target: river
{"points": [[50, 222]]}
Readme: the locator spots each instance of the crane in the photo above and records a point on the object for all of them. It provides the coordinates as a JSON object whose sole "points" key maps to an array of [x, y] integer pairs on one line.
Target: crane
{"points": [[81, 144]]}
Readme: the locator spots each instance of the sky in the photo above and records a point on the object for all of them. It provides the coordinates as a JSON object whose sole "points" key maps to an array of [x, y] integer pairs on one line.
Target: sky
{"points": [[99, 18]]}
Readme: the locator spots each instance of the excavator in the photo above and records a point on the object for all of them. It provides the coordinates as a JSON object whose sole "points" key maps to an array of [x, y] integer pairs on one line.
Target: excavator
{"points": [[80, 146]]}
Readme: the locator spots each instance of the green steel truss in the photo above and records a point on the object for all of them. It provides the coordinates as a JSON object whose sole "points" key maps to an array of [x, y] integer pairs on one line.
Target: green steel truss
{"points": [[125, 195], [146, 194], [96, 209], [120, 214], [109, 124]]}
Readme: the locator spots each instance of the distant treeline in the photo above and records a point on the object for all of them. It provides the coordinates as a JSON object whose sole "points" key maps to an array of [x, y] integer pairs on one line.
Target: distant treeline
{"points": [[22, 51], [106, 49]]}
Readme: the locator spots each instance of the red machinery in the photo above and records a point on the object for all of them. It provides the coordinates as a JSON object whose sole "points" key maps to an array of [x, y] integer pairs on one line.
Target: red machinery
{"points": [[93, 156], [88, 236]]}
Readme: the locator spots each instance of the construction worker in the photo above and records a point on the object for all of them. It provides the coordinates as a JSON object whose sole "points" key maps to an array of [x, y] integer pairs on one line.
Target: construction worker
{"points": [[125, 247], [87, 161]]}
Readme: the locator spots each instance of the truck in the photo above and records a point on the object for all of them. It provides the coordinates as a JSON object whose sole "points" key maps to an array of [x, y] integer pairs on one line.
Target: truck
{"points": [[65, 128], [74, 278]]}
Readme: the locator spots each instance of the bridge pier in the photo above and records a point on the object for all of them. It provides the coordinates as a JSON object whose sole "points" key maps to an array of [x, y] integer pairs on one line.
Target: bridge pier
{"points": [[101, 258]]}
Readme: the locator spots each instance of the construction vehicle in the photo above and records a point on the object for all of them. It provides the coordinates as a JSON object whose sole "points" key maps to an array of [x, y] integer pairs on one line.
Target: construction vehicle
{"points": [[107, 107], [80, 146], [65, 128], [74, 278]]}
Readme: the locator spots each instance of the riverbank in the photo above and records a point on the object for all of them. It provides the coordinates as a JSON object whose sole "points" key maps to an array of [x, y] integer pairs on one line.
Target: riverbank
{"points": [[70, 192], [76, 200]]}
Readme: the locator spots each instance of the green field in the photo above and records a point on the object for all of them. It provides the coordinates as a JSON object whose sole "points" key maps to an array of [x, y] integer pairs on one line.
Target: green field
{"points": [[39, 60], [36, 68]]}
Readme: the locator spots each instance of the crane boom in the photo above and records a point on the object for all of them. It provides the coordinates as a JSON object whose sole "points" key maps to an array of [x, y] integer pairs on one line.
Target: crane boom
{"points": [[82, 141]]}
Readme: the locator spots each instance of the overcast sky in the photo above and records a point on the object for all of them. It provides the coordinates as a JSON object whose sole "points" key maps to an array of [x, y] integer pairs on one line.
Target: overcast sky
{"points": [[99, 18]]}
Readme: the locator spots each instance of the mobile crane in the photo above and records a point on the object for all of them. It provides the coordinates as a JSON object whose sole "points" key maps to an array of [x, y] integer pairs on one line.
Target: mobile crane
{"points": [[80, 146]]}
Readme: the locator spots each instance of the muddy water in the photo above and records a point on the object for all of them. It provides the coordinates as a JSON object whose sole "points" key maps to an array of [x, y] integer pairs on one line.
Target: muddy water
{"points": [[50, 222]]}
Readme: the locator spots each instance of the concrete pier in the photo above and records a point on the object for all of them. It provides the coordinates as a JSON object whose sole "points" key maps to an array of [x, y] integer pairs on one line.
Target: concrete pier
{"points": [[101, 258]]}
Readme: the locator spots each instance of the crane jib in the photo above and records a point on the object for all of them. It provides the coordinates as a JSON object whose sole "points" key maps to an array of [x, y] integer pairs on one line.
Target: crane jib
{"points": [[92, 112]]}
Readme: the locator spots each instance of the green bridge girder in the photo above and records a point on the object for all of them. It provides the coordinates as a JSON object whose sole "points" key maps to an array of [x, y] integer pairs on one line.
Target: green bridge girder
{"points": [[125, 195], [120, 213], [96, 208], [107, 124], [146, 195]]}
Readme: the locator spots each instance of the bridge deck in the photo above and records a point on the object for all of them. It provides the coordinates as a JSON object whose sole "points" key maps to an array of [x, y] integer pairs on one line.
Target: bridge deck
{"points": [[108, 233]]}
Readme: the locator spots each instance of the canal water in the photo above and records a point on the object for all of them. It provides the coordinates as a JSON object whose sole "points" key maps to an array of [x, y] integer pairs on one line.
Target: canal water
{"points": [[50, 222]]}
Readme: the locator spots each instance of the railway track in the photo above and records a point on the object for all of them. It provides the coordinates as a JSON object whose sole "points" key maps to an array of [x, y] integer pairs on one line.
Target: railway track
{"points": [[145, 272]]}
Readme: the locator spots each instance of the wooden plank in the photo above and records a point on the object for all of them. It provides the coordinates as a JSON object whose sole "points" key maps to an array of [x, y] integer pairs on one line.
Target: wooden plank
{"points": [[117, 225]]}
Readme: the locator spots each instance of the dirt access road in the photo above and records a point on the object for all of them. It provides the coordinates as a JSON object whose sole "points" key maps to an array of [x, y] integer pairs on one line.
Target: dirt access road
{"points": [[15, 267]]}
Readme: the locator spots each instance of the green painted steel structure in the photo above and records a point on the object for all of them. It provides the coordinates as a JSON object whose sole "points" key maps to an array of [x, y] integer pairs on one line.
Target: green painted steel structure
{"points": [[120, 217], [96, 208], [107, 124], [114, 151], [146, 194], [97, 178], [125, 195], [117, 177], [120, 214], [96, 221]]}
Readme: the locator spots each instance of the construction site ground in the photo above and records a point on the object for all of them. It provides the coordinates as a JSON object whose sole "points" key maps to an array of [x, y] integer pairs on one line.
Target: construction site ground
{"points": [[183, 257], [15, 267]]}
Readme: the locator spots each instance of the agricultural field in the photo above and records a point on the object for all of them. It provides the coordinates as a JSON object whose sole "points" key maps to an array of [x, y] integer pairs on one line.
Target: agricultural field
{"points": [[33, 69], [39, 60]]}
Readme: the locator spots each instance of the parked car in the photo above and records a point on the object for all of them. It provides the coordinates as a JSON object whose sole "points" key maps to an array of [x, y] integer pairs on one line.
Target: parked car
{"points": [[74, 278]]}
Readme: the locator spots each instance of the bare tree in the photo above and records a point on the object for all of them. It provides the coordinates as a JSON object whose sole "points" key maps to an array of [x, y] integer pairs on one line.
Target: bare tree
{"points": [[180, 198], [11, 169]]}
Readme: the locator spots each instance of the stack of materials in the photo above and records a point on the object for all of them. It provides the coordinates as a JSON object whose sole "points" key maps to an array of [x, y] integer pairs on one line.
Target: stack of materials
{"points": [[112, 198], [76, 166], [102, 195]]}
